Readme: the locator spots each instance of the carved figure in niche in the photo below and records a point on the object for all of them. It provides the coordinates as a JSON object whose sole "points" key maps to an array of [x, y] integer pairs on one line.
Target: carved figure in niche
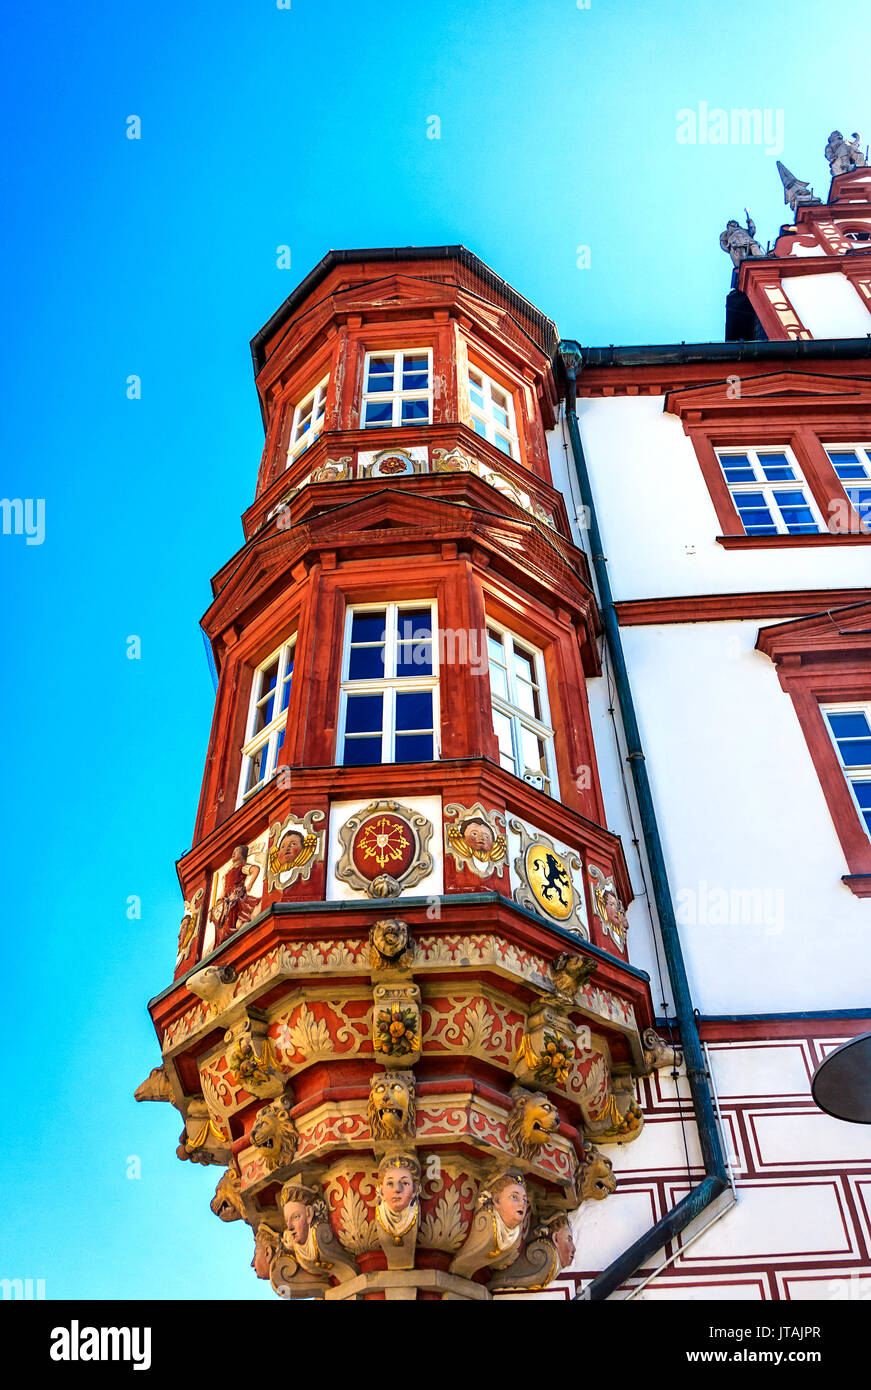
{"points": [[476, 839], [190, 925], [550, 1251], [215, 985], [267, 1243], [309, 1235], [844, 155], [608, 907], [738, 242], [155, 1086], [392, 1105], [496, 1232], [274, 1134], [397, 1211], [294, 849], [227, 1201], [236, 905], [570, 973], [533, 1119], [597, 1179], [390, 945]]}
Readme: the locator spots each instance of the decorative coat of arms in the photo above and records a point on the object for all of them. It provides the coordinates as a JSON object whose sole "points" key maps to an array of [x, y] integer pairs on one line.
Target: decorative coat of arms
{"points": [[547, 885], [385, 849], [294, 849], [608, 907], [391, 463], [476, 838]]}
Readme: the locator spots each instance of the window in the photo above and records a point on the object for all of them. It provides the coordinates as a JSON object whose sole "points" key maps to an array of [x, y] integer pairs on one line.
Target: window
{"points": [[267, 718], [308, 419], [769, 492], [521, 719], [389, 700], [492, 413], [850, 727], [396, 388], [852, 463]]}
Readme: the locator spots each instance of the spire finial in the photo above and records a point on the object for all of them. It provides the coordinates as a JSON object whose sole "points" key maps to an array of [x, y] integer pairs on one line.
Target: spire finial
{"points": [[795, 191]]}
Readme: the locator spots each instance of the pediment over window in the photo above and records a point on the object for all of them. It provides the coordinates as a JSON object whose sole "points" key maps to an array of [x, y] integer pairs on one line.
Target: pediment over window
{"points": [[767, 396], [837, 636]]}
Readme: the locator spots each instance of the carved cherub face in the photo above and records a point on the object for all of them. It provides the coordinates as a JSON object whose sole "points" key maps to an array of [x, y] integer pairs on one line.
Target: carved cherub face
{"points": [[290, 847], [297, 1218], [390, 937], [390, 1101], [398, 1188], [478, 836], [512, 1203]]}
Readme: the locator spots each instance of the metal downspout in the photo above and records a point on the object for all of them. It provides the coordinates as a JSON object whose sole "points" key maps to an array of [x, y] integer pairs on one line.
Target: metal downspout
{"points": [[716, 1178]]}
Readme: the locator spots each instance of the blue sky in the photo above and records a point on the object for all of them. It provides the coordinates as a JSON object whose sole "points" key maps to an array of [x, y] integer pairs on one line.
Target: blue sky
{"points": [[262, 128]]}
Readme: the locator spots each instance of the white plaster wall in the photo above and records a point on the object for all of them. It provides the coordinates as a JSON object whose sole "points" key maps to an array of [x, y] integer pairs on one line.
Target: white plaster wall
{"points": [[755, 865], [657, 520], [828, 305]]}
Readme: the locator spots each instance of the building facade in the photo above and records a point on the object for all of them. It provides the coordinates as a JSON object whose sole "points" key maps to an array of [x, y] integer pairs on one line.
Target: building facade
{"points": [[527, 883]]}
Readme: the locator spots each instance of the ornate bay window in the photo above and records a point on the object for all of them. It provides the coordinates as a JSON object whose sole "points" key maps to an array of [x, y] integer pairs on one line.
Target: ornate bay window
{"points": [[389, 709], [492, 411]]}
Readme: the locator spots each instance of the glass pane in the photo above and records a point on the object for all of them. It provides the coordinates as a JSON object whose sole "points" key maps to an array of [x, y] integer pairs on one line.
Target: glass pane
{"points": [[479, 427], [863, 794], [263, 714], [847, 464], [268, 677], [737, 468], [533, 751], [856, 752], [776, 467], [364, 714], [361, 750], [413, 625], [378, 413], [795, 511], [369, 627], [500, 416], [415, 362], [494, 646], [476, 397], [524, 665], [366, 664], [502, 729], [414, 709], [414, 659], [257, 767], [380, 375], [502, 443], [414, 748], [849, 724], [415, 412], [528, 699]]}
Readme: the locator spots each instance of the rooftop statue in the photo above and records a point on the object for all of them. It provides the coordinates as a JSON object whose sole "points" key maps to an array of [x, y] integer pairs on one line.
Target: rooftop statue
{"points": [[844, 155], [795, 191], [738, 242]]}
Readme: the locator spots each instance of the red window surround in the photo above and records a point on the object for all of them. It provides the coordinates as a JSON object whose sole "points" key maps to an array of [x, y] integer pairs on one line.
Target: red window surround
{"points": [[803, 410], [826, 659]]}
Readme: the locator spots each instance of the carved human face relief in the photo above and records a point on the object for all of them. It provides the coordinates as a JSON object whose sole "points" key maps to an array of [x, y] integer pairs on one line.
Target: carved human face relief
{"points": [[398, 1189], [390, 937], [511, 1202], [297, 1220]]}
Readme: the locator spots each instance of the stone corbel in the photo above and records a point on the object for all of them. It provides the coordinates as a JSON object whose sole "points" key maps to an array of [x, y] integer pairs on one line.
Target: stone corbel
{"points": [[396, 1024], [546, 1047]]}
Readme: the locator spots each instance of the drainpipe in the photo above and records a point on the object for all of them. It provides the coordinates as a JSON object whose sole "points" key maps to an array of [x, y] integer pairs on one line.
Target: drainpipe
{"points": [[716, 1179]]}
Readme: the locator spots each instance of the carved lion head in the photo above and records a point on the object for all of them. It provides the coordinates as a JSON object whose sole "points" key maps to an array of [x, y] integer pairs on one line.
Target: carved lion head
{"points": [[391, 1105], [532, 1120]]}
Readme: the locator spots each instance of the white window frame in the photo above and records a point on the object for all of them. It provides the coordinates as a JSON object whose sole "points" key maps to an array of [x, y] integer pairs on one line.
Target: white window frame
{"points": [[271, 732], [520, 718], [485, 416], [389, 686], [798, 484], [863, 455], [855, 774], [300, 442], [397, 395]]}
